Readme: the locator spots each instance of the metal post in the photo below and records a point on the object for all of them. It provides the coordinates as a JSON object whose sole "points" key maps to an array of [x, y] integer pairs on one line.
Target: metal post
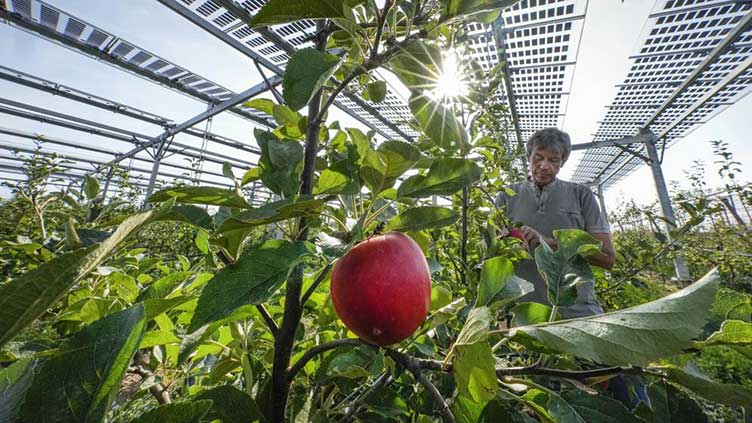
{"points": [[680, 265], [159, 153], [602, 202], [107, 183]]}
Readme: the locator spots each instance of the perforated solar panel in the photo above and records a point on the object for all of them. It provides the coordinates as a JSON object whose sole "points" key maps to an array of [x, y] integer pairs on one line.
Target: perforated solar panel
{"points": [[389, 117], [76, 33], [539, 40], [679, 37]]}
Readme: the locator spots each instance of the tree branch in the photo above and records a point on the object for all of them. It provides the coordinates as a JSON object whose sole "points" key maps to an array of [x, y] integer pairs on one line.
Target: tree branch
{"points": [[268, 319], [158, 391], [578, 375], [431, 388], [318, 349], [355, 406], [311, 289]]}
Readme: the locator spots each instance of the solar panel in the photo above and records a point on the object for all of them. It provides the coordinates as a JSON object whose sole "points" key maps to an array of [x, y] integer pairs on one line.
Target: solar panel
{"points": [[679, 38]]}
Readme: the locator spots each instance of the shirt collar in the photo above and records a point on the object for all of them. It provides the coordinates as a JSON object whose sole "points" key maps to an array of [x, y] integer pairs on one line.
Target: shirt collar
{"points": [[548, 187]]}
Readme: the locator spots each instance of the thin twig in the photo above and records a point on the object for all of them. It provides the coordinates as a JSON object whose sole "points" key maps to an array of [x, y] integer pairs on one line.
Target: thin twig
{"points": [[273, 328], [431, 388], [158, 391], [354, 408], [318, 349], [311, 289]]}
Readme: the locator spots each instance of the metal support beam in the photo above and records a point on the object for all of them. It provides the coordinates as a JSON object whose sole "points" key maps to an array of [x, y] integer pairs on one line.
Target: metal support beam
{"points": [[83, 97], [602, 202], [680, 265], [637, 139], [499, 35]]}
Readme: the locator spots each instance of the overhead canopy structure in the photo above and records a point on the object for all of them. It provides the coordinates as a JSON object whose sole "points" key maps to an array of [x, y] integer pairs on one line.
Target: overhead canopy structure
{"points": [[695, 60]]}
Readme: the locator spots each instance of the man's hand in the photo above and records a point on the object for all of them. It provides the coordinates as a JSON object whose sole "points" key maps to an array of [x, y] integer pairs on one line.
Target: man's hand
{"points": [[532, 237]]}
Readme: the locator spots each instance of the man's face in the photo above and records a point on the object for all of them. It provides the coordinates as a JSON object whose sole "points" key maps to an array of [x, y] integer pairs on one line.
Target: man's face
{"points": [[545, 164]]}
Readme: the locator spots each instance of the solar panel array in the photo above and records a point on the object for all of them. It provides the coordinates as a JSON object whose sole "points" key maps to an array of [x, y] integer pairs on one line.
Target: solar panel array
{"points": [[540, 41], [227, 20], [679, 37]]}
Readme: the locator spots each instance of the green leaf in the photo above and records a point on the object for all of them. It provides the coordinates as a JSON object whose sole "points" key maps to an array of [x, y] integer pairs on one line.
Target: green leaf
{"points": [[227, 170], [14, 382], [473, 368], [514, 289], [80, 382], [494, 275], [261, 104], [530, 314], [565, 269], [387, 403], [202, 195], [251, 280], [476, 327], [27, 297], [251, 175], [281, 163], [444, 177], [454, 9], [202, 241], [307, 71], [377, 91], [283, 11], [732, 332], [671, 405], [381, 168], [417, 65], [187, 213], [163, 286], [633, 336], [332, 180], [158, 337], [230, 405], [439, 123], [440, 297], [183, 412], [722, 393], [91, 187], [599, 408], [273, 212], [418, 218]]}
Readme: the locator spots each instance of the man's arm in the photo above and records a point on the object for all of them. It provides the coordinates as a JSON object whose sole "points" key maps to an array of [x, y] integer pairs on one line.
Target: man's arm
{"points": [[606, 258]]}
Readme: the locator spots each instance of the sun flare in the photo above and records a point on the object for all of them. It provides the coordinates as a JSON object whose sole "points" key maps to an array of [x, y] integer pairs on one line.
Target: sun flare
{"points": [[451, 81]]}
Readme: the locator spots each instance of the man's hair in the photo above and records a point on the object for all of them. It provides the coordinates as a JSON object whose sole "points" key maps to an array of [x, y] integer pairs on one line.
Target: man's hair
{"points": [[550, 138]]}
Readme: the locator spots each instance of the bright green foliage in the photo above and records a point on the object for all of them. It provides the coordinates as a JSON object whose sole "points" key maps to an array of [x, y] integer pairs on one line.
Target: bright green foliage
{"points": [[454, 9], [718, 392], [381, 168], [282, 11], [273, 212], [439, 123], [307, 71], [252, 280], [446, 176], [419, 218], [565, 269], [281, 163], [201, 195]]}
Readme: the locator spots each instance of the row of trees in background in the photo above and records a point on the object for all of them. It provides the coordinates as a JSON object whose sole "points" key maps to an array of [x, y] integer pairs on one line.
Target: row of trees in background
{"points": [[206, 307]]}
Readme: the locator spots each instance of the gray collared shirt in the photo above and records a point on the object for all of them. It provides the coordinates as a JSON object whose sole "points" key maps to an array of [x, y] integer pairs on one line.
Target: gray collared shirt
{"points": [[558, 205]]}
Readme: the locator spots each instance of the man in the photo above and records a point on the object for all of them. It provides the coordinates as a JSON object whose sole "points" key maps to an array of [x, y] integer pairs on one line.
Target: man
{"points": [[544, 203]]}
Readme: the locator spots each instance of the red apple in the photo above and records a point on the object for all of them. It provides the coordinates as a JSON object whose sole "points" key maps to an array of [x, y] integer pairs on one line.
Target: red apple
{"points": [[517, 233], [381, 289]]}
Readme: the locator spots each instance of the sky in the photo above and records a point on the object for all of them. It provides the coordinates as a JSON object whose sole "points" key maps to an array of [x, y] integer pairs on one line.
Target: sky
{"points": [[612, 32]]}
